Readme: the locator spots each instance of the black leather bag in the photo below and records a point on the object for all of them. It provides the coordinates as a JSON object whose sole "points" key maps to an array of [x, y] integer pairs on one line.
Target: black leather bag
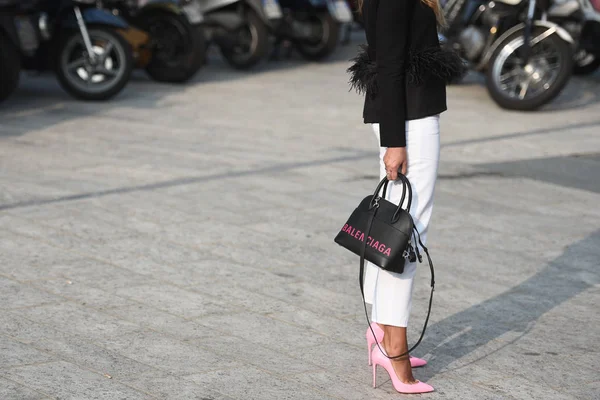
{"points": [[385, 234], [381, 229]]}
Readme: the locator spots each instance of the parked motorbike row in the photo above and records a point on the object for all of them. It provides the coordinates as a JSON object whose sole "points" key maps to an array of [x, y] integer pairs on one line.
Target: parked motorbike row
{"points": [[527, 49], [93, 45]]}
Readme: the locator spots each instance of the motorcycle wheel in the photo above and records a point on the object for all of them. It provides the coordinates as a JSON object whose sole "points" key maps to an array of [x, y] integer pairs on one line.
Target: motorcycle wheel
{"points": [[179, 50], [85, 81], [252, 43], [585, 63], [327, 32], [529, 87], [10, 67]]}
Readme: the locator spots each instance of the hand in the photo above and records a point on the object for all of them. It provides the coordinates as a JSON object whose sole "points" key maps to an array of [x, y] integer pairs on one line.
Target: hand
{"points": [[395, 159]]}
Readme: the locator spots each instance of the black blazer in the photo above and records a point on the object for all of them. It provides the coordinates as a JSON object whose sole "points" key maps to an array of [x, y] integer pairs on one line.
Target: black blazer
{"points": [[403, 71]]}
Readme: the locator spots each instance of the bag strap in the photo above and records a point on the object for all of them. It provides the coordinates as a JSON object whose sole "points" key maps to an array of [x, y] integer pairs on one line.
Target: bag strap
{"points": [[363, 250]]}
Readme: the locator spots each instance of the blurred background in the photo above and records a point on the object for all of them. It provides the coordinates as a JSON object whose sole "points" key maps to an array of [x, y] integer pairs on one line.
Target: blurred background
{"points": [[527, 51]]}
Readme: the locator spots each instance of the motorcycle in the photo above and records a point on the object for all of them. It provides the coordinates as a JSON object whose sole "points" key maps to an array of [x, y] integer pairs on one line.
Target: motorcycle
{"points": [[527, 60], [581, 18], [312, 26], [13, 13], [239, 28], [171, 46], [80, 43]]}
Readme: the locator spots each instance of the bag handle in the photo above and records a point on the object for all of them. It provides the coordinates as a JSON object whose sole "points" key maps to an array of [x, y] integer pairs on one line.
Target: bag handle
{"points": [[406, 188], [373, 211]]}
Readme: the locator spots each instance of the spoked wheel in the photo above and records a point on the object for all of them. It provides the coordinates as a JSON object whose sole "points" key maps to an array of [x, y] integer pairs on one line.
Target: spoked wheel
{"points": [[251, 43], [325, 32], [586, 63], [97, 78], [178, 49], [516, 85]]}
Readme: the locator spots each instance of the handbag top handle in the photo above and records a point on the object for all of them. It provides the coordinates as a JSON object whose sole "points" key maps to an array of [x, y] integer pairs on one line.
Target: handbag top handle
{"points": [[406, 188]]}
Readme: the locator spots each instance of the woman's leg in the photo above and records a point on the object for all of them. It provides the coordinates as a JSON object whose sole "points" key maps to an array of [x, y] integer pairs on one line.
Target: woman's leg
{"points": [[393, 292]]}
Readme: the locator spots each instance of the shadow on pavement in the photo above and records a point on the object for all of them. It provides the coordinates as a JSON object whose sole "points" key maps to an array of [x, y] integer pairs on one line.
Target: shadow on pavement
{"points": [[554, 129], [579, 92], [576, 171], [40, 102], [514, 310], [41, 95]]}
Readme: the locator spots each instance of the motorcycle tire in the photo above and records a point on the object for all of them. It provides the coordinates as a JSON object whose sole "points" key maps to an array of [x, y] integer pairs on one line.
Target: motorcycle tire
{"points": [[327, 42], [530, 104], [10, 67], [259, 44], [180, 67], [586, 69], [72, 73]]}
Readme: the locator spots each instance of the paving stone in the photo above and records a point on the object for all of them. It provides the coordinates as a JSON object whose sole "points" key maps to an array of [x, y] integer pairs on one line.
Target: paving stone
{"points": [[14, 353], [250, 256], [266, 331], [10, 390], [68, 381], [18, 262], [340, 330], [247, 298], [169, 386], [258, 356], [69, 347], [176, 300], [254, 384], [15, 295], [312, 298], [161, 321], [80, 320], [343, 387], [169, 355], [345, 359], [100, 275], [80, 293]]}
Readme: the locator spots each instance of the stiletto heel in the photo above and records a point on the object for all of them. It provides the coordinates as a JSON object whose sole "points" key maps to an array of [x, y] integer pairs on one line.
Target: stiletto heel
{"points": [[374, 376], [380, 358], [414, 361]]}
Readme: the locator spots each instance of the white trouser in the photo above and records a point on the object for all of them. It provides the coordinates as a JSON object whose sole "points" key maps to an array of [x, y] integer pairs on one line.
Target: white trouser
{"points": [[390, 293]]}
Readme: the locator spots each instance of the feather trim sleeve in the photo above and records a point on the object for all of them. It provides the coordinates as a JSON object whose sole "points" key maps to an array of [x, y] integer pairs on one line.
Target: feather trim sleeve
{"points": [[433, 62]]}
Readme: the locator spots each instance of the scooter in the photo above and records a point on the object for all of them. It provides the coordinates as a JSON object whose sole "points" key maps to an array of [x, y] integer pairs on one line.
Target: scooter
{"points": [[312, 26], [80, 43], [170, 43], [581, 18], [239, 28]]}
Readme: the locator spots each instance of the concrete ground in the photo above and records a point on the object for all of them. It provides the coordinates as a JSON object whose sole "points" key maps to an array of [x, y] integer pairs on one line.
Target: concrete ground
{"points": [[177, 242]]}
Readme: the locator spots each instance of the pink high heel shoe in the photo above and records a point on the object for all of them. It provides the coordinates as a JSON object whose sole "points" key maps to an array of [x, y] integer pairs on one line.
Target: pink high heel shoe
{"points": [[414, 361], [380, 358]]}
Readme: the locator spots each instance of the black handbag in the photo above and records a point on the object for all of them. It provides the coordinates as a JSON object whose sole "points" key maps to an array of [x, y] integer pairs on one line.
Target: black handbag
{"points": [[385, 234]]}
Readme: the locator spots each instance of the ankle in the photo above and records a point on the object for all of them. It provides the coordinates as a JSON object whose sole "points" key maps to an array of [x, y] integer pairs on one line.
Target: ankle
{"points": [[395, 351]]}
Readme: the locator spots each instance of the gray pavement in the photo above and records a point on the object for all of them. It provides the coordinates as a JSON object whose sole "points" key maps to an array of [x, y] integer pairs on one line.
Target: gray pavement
{"points": [[176, 243]]}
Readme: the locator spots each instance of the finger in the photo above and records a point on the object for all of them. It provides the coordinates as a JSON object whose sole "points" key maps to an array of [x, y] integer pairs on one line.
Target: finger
{"points": [[393, 175], [404, 168]]}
